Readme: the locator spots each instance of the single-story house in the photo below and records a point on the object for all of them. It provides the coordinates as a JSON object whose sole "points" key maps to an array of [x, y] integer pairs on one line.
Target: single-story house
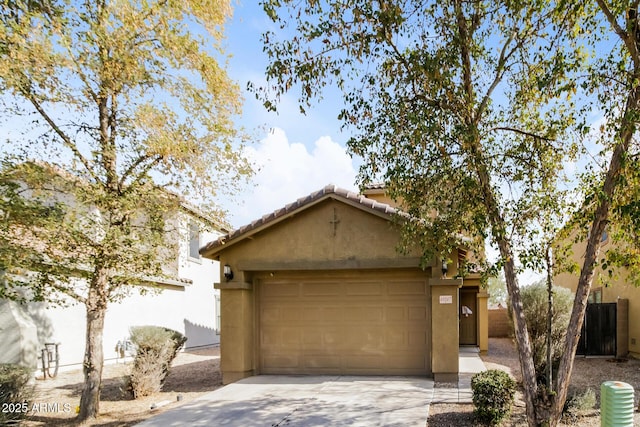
{"points": [[318, 287]]}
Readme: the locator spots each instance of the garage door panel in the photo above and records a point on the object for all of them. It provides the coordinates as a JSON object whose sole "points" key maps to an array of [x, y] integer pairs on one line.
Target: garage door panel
{"points": [[344, 326], [312, 314], [407, 359], [366, 339], [363, 314], [282, 361], [291, 338], [407, 288], [322, 289], [312, 338], [398, 340], [365, 362], [313, 361], [333, 338], [395, 313], [365, 289], [417, 338], [270, 314], [291, 315], [333, 313], [417, 313]]}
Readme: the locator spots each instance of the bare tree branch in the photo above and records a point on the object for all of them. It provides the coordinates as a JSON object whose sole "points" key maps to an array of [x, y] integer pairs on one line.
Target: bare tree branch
{"points": [[68, 143]]}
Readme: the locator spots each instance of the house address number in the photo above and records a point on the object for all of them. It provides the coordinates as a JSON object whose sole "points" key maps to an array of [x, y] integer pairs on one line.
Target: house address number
{"points": [[446, 299]]}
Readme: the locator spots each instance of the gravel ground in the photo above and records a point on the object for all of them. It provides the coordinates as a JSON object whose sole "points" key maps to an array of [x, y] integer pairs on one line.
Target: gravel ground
{"points": [[587, 373], [193, 373], [197, 372]]}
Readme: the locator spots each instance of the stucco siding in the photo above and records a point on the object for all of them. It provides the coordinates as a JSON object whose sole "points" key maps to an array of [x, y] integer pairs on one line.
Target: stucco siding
{"points": [[319, 287], [189, 308], [314, 235], [610, 290]]}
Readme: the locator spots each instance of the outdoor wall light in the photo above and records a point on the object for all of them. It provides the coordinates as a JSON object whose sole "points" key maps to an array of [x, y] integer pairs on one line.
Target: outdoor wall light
{"points": [[444, 267], [228, 274]]}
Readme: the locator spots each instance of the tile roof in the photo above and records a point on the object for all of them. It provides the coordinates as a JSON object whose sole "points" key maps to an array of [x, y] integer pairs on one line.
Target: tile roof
{"points": [[328, 191], [375, 186]]}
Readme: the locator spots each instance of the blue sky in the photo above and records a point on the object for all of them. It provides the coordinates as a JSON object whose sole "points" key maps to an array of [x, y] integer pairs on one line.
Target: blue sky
{"points": [[296, 153]]}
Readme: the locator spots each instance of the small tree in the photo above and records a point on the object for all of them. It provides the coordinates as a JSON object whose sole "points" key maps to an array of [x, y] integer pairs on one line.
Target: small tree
{"points": [[497, 289], [124, 100], [535, 303], [16, 393]]}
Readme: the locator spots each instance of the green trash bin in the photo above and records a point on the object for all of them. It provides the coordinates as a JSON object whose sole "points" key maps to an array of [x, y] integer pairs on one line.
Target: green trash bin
{"points": [[616, 404]]}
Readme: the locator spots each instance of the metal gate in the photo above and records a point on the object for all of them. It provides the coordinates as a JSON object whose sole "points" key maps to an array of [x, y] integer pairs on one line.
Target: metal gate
{"points": [[598, 337]]}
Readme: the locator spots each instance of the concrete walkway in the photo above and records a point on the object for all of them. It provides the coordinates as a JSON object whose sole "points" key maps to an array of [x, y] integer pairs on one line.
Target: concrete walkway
{"points": [[470, 363]]}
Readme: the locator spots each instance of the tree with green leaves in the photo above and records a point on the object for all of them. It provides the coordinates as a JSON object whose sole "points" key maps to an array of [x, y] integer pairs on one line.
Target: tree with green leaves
{"points": [[611, 190], [114, 108], [462, 108]]}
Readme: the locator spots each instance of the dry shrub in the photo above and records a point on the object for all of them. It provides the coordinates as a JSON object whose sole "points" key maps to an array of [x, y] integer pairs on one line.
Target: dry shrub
{"points": [[156, 347], [579, 404]]}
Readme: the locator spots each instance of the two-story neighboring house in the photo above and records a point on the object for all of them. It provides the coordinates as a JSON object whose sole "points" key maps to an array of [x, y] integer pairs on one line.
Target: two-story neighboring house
{"points": [[612, 319], [184, 299]]}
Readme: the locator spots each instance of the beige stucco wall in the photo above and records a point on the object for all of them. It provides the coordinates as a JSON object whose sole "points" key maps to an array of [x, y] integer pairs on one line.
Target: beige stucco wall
{"points": [[444, 336], [237, 343], [311, 240], [483, 321], [499, 323], [615, 289], [307, 241]]}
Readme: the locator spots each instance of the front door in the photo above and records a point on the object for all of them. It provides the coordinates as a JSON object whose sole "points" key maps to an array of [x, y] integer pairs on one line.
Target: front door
{"points": [[468, 313]]}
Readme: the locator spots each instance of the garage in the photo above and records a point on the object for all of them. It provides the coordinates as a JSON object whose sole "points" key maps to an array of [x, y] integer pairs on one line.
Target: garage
{"points": [[359, 323], [320, 287]]}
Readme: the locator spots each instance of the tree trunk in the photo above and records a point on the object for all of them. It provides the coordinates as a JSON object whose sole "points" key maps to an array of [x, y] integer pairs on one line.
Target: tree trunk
{"points": [[96, 305], [536, 412], [537, 407], [549, 264]]}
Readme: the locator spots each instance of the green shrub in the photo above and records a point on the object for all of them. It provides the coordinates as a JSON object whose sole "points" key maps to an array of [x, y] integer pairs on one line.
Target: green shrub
{"points": [[15, 392], [156, 347], [493, 394], [535, 305]]}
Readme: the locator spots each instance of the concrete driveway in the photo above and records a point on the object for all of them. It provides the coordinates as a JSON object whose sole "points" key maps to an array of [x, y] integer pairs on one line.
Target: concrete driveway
{"points": [[276, 400]]}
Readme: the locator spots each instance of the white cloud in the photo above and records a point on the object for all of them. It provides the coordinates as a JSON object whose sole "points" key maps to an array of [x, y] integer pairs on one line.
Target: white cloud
{"points": [[287, 171]]}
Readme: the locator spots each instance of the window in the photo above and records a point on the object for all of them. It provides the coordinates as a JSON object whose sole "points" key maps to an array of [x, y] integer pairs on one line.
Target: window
{"points": [[595, 296], [194, 241]]}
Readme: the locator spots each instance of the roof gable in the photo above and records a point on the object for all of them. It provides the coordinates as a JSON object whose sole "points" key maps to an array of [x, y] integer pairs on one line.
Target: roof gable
{"points": [[269, 220]]}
